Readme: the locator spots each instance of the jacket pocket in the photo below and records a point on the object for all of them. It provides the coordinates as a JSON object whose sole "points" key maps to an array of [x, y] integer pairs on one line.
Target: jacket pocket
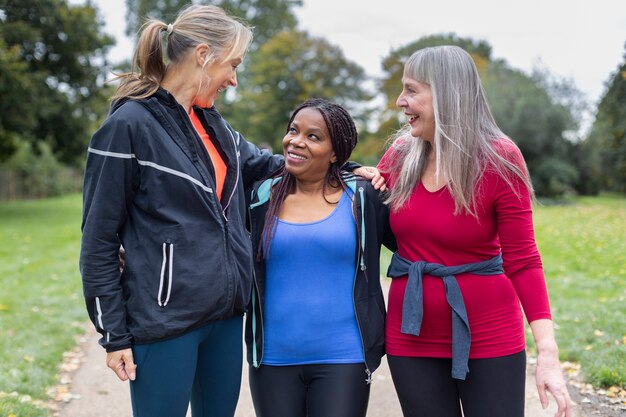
{"points": [[166, 277]]}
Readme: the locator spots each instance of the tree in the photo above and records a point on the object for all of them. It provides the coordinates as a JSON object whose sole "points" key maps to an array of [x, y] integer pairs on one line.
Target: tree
{"points": [[15, 113], [138, 11], [607, 139], [288, 69], [528, 114], [268, 17], [53, 53]]}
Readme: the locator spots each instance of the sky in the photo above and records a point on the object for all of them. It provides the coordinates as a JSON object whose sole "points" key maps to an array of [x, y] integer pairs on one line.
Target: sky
{"points": [[583, 41]]}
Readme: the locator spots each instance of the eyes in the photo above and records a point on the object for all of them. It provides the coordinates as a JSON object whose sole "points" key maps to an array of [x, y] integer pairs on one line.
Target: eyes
{"points": [[411, 88], [293, 131]]}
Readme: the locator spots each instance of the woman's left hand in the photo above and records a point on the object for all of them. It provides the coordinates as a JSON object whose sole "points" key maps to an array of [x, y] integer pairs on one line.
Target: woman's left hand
{"points": [[550, 379], [549, 375], [373, 174]]}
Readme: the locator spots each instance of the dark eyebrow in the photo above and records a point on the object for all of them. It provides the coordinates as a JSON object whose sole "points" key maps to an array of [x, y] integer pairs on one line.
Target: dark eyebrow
{"points": [[315, 130]]}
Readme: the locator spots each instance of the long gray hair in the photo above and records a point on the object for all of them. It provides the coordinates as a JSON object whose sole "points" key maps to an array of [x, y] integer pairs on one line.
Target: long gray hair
{"points": [[466, 134]]}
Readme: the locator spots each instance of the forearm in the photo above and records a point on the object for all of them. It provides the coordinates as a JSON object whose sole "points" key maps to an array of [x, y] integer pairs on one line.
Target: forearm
{"points": [[543, 335]]}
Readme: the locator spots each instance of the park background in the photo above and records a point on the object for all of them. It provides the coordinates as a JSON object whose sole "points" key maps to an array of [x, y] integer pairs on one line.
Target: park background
{"points": [[54, 65]]}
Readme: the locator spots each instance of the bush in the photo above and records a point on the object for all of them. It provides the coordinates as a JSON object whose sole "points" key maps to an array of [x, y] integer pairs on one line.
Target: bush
{"points": [[554, 178], [36, 173]]}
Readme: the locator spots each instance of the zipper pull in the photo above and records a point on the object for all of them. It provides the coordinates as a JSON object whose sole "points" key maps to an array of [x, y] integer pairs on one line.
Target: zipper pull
{"points": [[368, 380]]}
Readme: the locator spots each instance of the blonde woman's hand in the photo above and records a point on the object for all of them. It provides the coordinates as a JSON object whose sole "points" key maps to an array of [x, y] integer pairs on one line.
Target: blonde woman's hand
{"points": [[122, 363]]}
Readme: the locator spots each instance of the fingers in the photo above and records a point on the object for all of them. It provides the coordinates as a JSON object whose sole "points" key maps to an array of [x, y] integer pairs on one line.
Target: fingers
{"points": [[365, 172], [543, 397], [122, 363], [559, 392], [372, 174], [564, 403], [131, 367], [378, 182]]}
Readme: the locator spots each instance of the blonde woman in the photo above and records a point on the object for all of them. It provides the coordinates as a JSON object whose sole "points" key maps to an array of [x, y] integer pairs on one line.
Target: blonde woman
{"points": [[165, 178], [461, 212]]}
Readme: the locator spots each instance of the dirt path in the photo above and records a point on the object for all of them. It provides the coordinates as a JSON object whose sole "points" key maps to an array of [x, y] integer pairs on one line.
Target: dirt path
{"points": [[90, 389]]}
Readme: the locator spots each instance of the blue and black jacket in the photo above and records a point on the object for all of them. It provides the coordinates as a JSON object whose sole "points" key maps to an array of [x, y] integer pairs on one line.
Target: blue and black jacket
{"points": [[372, 223], [149, 186]]}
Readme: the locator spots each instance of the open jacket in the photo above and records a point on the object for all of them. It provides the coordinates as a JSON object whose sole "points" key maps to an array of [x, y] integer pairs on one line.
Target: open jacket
{"points": [[372, 224], [150, 186]]}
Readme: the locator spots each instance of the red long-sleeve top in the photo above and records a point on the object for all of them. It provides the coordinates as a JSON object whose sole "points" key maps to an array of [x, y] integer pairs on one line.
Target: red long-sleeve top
{"points": [[427, 229]]}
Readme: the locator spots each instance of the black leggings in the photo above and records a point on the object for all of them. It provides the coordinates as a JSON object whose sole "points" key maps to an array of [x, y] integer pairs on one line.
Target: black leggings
{"points": [[335, 390], [494, 387]]}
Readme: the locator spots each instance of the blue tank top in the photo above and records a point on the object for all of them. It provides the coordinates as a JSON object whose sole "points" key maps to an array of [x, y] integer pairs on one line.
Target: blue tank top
{"points": [[309, 313]]}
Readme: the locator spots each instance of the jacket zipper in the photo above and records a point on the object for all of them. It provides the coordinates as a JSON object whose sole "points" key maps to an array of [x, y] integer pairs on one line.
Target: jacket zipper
{"points": [[223, 213], [232, 193], [360, 264], [256, 358]]}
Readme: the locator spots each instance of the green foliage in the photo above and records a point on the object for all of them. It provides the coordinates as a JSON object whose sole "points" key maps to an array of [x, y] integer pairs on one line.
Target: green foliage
{"points": [[554, 178], [267, 17], [55, 53], [16, 405], [139, 11], [527, 113], [15, 82], [288, 69], [41, 305], [607, 139], [40, 173]]}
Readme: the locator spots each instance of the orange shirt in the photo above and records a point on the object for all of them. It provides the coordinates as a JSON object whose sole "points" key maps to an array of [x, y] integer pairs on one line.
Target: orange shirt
{"points": [[218, 163]]}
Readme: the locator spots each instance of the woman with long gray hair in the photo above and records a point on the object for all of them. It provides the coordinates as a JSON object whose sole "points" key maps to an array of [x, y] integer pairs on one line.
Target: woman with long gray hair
{"points": [[461, 212]]}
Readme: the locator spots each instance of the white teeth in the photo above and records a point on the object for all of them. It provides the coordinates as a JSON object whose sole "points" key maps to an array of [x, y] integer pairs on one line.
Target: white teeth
{"points": [[294, 156]]}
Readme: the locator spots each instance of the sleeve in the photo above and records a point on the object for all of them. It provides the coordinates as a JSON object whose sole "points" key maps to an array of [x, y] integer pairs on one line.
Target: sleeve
{"points": [[387, 237], [110, 174], [522, 261], [256, 163], [384, 166]]}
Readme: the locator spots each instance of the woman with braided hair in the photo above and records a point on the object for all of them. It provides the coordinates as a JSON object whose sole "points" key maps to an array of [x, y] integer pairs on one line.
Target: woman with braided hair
{"points": [[315, 329]]}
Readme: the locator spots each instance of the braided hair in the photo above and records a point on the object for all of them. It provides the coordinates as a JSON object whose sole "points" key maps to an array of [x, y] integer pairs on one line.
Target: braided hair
{"points": [[343, 137]]}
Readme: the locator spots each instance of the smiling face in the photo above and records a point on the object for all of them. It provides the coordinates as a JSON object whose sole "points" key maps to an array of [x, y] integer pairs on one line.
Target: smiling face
{"points": [[217, 77], [416, 101], [307, 146]]}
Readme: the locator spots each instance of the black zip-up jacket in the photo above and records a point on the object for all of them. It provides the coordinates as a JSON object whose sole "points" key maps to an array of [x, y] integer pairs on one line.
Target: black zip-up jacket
{"points": [[150, 186], [372, 223]]}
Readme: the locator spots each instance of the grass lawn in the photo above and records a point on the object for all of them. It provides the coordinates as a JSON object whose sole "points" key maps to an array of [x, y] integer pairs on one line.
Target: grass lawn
{"points": [[42, 311], [584, 255], [41, 304]]}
